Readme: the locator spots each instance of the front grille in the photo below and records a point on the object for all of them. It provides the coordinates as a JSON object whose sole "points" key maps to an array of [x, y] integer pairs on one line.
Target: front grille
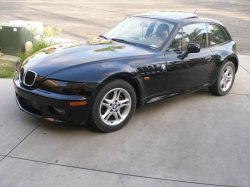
{"points": [[29, 78]]}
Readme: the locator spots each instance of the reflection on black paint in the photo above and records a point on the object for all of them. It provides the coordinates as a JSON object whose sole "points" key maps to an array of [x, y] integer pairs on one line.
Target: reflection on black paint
{"points": [[111, 48]]}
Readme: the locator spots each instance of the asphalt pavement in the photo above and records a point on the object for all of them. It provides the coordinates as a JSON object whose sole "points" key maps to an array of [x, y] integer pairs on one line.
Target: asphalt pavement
{"points": [[193, 140]]}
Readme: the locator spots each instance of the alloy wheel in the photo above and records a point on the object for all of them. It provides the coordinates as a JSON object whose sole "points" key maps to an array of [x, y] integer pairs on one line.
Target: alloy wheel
{"points": [[226, 78], [115, 106]]}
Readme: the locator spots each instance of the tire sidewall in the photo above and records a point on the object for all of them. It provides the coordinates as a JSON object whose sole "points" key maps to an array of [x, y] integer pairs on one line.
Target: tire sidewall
{"points": [[227, 63], [118, 83]]}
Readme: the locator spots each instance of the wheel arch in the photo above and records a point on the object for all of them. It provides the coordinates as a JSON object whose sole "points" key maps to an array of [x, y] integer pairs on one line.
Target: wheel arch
{"points": [[130, 79], [235, 61]]}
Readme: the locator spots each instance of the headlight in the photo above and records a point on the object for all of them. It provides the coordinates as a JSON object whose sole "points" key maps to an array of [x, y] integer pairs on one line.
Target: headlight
{"points": [[61, 87]]}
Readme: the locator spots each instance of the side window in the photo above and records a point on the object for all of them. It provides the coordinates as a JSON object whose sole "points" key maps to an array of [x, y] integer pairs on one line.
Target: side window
{"points": [[176, 44], [217, 35], [193, 33]]}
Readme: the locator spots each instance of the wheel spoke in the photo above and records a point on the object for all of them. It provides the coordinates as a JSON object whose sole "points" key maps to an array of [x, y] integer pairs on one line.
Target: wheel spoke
{"points": [[119, 114], [116, 116], [221, 83], [108, 116], [123, 105], [108, 101], [227, 71], [115, 95], [229, 78], [118, 94], [106, 105], [123, 101], [225, 84]]}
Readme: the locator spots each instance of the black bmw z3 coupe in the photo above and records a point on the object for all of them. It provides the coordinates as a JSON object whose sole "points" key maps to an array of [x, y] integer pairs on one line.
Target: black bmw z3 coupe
{"points": [[144, 59]]}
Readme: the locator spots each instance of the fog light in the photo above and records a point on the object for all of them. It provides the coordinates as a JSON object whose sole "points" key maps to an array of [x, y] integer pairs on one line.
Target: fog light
{"points": [[59, 111]]}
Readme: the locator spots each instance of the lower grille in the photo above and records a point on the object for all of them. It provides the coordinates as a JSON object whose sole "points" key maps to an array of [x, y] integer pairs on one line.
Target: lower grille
{"points": [[30, 106]]}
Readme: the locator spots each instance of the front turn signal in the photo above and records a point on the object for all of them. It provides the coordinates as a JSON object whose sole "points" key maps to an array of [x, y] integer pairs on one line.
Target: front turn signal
{"points": [[78, 103]]}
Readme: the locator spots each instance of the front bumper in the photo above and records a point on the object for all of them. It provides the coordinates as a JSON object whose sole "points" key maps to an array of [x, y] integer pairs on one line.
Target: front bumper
{"points": [[41, 103]]}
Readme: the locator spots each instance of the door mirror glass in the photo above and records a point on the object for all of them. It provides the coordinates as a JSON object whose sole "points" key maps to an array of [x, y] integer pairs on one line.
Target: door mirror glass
{"points": [[193, 48]]}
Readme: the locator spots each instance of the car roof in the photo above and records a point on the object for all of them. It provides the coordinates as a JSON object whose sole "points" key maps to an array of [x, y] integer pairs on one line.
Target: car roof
{"points": [[176, 16]]}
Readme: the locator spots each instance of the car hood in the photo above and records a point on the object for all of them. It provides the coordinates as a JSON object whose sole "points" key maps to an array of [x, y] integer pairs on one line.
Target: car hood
{"points": [[57, 58]]}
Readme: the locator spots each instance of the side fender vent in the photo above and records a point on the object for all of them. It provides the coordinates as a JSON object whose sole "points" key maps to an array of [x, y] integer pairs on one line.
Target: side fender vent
{"points": [[151, 69]]}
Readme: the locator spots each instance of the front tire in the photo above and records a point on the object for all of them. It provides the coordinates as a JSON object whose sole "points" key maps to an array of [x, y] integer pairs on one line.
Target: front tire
{"points": [[225, 80], [113, 106]]}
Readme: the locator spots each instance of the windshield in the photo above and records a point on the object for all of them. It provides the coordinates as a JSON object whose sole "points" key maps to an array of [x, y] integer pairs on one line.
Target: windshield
{"points": [[151, 33]]}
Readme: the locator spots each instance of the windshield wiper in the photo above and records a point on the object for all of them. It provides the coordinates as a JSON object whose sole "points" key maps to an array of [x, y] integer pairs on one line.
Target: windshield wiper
{"points": [[103, 37], [123, 41]]}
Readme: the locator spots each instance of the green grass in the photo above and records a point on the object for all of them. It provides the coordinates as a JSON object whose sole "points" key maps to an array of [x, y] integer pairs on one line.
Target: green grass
{"points": [[7, 68]]}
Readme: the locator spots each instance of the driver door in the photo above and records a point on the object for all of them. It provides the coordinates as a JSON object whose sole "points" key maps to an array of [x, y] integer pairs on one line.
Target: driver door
{"points": [[194, 70]]}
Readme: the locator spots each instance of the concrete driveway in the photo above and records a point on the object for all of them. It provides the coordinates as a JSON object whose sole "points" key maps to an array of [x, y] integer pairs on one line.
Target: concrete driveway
{"points": [[194, 140]]}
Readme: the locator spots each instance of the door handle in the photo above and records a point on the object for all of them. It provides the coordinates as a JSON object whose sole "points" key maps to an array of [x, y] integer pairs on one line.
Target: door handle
{"points": [[208, 58]]}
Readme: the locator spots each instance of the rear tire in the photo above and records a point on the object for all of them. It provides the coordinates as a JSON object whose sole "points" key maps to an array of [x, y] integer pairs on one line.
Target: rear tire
{"points": [[113, 106], [225, 80]]}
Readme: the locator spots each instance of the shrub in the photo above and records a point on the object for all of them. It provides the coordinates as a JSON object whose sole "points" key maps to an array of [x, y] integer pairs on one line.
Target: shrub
{"points": [[46, 40]]}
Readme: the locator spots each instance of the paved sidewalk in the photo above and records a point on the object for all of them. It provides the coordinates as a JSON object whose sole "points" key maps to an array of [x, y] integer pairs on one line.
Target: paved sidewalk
{"points": [[10, 58], [190, 141]]}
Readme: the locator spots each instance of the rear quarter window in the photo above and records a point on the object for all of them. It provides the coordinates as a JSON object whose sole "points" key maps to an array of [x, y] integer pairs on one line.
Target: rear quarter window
{"points": [[217, 35]]}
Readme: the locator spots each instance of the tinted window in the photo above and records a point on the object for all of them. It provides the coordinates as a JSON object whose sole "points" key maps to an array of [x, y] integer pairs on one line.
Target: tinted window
{"points": [[146, 32], [193, 33], [217, 35], [176, 44]]}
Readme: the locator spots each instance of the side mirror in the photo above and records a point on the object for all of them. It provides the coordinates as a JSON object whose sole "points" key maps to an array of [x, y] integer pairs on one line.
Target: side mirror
{"points": [[191, 48]]}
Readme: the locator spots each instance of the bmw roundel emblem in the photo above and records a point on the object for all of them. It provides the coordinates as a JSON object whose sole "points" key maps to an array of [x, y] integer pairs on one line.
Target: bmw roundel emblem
{"points": [[163, 66], [114, 107]]}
